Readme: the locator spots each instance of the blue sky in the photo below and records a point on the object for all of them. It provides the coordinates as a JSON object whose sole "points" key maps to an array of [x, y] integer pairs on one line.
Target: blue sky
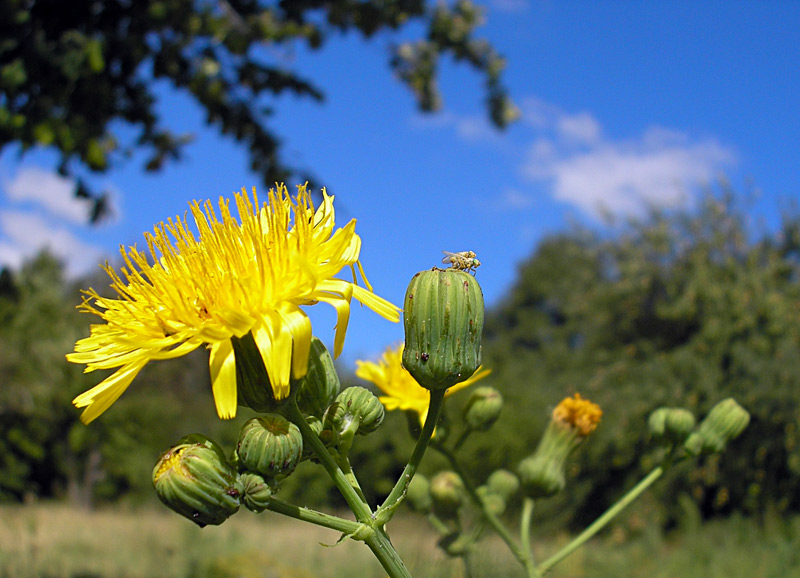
{"points": [[622, 103]]}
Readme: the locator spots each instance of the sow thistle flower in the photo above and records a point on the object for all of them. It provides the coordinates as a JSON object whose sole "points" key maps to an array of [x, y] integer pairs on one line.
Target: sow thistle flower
{"points": [[232, 279], [401, 389], [543, 474]]}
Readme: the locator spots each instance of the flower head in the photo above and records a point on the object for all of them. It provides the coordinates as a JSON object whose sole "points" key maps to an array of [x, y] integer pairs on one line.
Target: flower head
{"points": [[230, 279], [581, 414], [402, 391]]}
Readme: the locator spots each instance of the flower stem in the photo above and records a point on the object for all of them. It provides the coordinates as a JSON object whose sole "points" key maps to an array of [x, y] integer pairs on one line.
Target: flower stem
{"points": [[525, 526], [522, 554], [378, 541], [359, 507], [604, 519], [348, 527], [395, 497]]}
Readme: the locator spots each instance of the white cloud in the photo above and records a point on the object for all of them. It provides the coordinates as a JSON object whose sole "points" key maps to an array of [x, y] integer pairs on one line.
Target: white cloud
{"points": [[54, 193], [26, 233], [597, 174]]}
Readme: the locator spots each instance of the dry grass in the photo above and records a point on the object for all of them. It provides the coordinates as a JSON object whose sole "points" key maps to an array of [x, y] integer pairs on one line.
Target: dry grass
{"points": [[56, 541]]}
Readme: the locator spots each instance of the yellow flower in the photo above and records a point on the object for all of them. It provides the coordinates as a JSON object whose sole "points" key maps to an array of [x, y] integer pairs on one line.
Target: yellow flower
{"points": [[402, 391], [229, 279], [581, 414]]}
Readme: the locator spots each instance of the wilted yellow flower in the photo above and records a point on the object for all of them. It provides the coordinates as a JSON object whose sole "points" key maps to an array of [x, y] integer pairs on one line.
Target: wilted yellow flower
{"points": [[230, 279], [581, 414], [402, 391]]}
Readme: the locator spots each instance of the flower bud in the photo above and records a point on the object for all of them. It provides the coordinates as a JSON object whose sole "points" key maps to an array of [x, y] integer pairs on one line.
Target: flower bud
{"points": [[671, 424], [356, 409], [418, 493], [269, 445], [494, 503], [195, 480], [724, 422], [320, 386], [256, 491], [543, 473], [483, 408], [447, 493], [443, 318], [503, 483]]}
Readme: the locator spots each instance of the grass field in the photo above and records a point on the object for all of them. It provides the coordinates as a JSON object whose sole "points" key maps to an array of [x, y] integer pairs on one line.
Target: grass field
{"points": [[56, 541]]}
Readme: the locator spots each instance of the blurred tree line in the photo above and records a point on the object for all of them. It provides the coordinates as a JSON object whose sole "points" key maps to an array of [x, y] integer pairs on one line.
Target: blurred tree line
{"points": [[73, 73], [681, 309]]}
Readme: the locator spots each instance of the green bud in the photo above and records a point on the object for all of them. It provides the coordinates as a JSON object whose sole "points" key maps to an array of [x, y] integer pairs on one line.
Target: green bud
{"points": [[443, 318], [269, 445], [724, 422], [320, 386], [418, 493], [543, 473], [494, 503], [447, 494], [541, 476], [256, 491], [483, 408], [671, 424], [503, 483], [355, 409], [195, 480]]}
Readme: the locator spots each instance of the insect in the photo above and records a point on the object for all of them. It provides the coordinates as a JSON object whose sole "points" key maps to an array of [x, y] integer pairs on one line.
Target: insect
{"points": [[463, 261]]}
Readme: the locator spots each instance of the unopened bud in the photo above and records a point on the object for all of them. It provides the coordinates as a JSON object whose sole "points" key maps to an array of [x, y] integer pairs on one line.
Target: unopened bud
{"points": [[256, 491], [724, 422], [503, 483], [447, 493], [269, 445], [671, 424], [493, 502], [320, 386], [418, 493], [356, 409], [195, 480], [443, 318], [483, 408]]}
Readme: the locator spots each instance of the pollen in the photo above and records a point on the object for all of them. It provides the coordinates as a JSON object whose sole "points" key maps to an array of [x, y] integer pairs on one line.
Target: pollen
{"points": [[581, 414]]}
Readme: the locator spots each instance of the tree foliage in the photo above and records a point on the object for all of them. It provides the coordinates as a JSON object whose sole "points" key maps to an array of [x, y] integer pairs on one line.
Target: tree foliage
{"points": [[684, 309], [71, 72]]}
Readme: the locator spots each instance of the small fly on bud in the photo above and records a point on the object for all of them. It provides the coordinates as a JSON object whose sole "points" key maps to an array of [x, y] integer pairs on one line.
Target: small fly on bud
{"points": [[463, 260]]}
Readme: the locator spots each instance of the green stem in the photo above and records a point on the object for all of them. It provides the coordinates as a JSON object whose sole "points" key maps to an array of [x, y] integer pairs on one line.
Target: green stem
{"points": [[522, 554], [383, 550], [348, 527], [525, 526], [604, 519], [395, 497], [359, 507]]}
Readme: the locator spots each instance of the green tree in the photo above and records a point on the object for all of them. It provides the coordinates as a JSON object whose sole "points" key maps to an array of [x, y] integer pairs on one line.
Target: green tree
{"points": [[71, 72], [45, 451], [682, 309]]}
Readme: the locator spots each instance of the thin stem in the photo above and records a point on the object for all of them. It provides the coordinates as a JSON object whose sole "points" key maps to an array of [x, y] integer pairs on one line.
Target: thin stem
{"points": [[525, 526], [604, 519], [359, 507], [383, 550], [395, 497], [348, 527], [521, 554]]}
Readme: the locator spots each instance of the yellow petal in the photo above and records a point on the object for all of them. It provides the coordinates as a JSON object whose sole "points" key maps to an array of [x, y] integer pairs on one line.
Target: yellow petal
{"points": [[103, 395], [300, 327], [274, 342], [222, 366]]}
